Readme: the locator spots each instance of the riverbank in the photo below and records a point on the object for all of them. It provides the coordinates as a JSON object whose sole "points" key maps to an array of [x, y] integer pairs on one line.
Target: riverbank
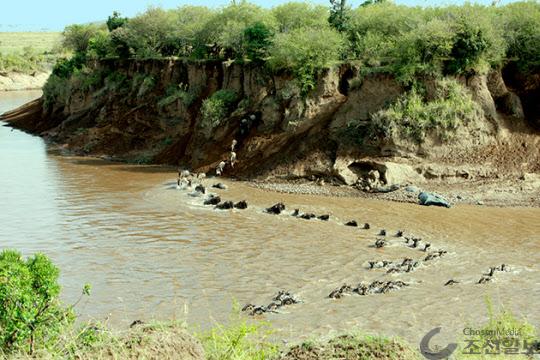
{"points": [[16, 81], [523, 190]]}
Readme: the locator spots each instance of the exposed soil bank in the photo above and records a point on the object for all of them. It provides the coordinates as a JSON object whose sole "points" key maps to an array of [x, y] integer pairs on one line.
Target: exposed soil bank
{"points": [[14, 81], [282, 134]]}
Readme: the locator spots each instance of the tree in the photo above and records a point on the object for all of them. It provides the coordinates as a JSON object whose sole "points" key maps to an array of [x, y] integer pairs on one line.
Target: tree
{"points": [[257, 39], [372, 2], [31, 314], [295, 15], [77, 37], [116, 21], [306, 52], [339, 15]]}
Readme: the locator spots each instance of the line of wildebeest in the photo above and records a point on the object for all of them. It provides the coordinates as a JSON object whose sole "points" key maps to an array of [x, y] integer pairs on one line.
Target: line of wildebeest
{"points": [[406, 265]]}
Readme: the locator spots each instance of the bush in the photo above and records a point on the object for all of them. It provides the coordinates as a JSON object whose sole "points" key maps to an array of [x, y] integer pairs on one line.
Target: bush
{"points": [[179, 92], [306, 52], [422, 52], [227, 28], [340, 15], [191, 27], [64, 68], [115, 21], [55, 91], [217, 107], [257, 39], [239, 340], [296, 15], [77, 37], [413, 117], [522, 33], [31, 315], [100, 46], [147, 34]]}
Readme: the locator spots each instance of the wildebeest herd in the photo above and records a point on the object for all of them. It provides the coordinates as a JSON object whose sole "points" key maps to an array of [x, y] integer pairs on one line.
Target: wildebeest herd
{"points": [[188, 181]]}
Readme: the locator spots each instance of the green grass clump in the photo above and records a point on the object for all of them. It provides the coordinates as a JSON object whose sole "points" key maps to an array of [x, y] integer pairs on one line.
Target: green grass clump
{"points": [[215, 108], [179, 92], [352, 346], [239, 340], [413, 116]]}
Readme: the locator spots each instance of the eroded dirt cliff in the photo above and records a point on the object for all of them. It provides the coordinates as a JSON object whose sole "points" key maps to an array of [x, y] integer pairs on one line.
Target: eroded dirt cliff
{"points": [[150, 112]]}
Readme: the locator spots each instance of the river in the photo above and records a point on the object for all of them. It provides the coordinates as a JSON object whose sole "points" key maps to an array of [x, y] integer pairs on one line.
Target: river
{"points": [[153, 252]]}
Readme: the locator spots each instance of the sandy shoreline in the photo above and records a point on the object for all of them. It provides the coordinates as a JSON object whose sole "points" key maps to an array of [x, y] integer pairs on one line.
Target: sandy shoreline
{"points": [[14, 81]]}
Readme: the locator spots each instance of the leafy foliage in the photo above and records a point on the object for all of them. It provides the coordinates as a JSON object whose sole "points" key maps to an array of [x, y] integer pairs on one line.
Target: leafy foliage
{"points": [[306, 52], [296, 15], [239, 340], [31, 314], [215, 108], [522, 33], [257, 38], [77, 37], [413, 116], [339, 15], [179, 92], [116, 21]]}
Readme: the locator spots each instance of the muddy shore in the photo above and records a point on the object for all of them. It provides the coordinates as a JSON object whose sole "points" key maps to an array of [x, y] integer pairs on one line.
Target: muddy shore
{"points": [[521, 191]]}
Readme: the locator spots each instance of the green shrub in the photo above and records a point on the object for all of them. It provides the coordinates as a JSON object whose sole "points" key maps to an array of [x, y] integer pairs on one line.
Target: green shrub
{"points": [[522, 33], [257, 39], [296, 15], [100, 46], [115, 21], [306, 52], [64, 68], [181, 91], [56, 91], [148, 83], [215, 108], [227, 27], [31, 315], [77, 37], [191, 32], [413, 116], [147, 34], [239, 340], [86, 79], [340, 15]]}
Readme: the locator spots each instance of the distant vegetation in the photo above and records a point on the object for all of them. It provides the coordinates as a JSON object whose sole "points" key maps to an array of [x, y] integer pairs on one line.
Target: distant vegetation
{"points": [[405, 41], [27, 52], [382, 37]]}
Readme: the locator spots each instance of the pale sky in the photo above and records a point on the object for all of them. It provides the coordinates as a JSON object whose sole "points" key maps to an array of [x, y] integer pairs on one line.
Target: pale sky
{"points": [[54, 15]]}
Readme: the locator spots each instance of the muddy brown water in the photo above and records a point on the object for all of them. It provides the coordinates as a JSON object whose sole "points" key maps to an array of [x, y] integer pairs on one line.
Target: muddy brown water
{"points": [[153, 252]]}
